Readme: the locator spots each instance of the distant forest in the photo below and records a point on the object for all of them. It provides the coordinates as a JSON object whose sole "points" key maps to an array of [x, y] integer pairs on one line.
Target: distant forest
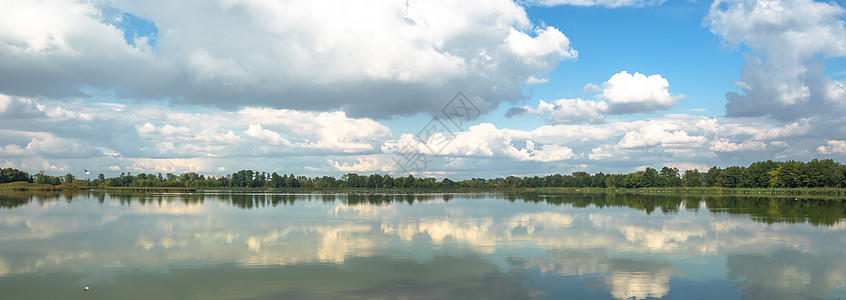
{"points": [[764, 174]]}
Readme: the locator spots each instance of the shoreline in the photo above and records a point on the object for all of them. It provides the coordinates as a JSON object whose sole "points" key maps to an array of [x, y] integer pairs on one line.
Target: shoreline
{"points": [[804, 192]]}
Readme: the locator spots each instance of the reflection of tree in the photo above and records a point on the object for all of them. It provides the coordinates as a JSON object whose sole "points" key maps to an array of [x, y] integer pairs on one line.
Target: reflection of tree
{"points": [[787, 274], [761, 209], [647, 203], [12, 199], [782, 210], [130, 198]]}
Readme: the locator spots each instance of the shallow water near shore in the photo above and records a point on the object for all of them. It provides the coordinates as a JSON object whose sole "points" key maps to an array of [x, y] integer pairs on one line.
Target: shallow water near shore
{"points": [[227, 245]]}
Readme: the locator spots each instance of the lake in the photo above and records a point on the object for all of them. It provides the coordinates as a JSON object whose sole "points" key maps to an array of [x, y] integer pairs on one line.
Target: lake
{"points": [[228, 245]]}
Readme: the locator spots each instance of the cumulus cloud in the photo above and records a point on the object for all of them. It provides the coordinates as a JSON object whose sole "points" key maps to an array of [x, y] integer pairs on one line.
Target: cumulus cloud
{"points": [[632, 93], [25, 108], [12, 150], [565, 111], [783, 76], [38, 36], [657, 135], [47, 145], [598, 153], [147, 135], [592, 88], [269, 136], [483, 140], [364, 164], [375, 58], [623, 93], [604, 3], [833, 147], [688, 166], [267, 131], [723, 145], [142, 137]]}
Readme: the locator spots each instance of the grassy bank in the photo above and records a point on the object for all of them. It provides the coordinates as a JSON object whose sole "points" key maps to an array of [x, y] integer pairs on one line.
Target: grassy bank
{"points": [[793, 192], [26, 186], [149, 189], [718, 191]]}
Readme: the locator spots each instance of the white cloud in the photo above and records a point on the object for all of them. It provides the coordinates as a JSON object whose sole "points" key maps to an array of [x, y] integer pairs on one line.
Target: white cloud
{"points": [[486, 140], [364, 164], [657, 135], [534, 80], [789, 130], [258, 131], [150, 138], [332, 131], [631, 93], [688, 166], [12, 150], [130, 134], [604, 3], [723, 145], [547, 153], [5, 102], [172, 165], [598, 153], [7, 164], [549, 42], [483, 140], [624, 94], [377, 58], [51, 146], [39, 35], [592, 88], [833, 147], [567, 111], [268, 136], [782, 77]]}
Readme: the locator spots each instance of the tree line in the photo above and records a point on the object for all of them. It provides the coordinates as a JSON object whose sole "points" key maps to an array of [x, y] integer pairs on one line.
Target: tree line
{"points": [[762, 174]]}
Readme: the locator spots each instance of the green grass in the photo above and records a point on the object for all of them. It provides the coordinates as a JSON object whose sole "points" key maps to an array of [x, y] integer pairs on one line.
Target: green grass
{"points": [[838, 193], [149, 189], [26, 186], [786, 192]]}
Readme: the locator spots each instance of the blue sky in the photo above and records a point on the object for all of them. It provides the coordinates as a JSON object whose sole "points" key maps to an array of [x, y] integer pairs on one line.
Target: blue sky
{"points": [[296, 87]]}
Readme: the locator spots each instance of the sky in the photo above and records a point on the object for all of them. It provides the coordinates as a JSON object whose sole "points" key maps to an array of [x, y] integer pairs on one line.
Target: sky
{"points": [[458, 89]]}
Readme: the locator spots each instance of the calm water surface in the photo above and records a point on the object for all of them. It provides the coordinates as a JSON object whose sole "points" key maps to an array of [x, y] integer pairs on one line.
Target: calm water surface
{"points": [[488, 246]]}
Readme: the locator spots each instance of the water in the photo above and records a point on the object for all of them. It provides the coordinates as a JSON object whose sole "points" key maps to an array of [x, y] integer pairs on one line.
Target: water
{"points": [[468, 246]]}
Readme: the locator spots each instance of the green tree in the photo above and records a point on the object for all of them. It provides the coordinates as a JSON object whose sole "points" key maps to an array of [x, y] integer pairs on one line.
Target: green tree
{"points": [[598, 180], [615, 180], [714, 177], [13, 175], [733, 176], [650, 178], [757, 174], [292, 181], [692, 178], [669, 177], [633, 180]]}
